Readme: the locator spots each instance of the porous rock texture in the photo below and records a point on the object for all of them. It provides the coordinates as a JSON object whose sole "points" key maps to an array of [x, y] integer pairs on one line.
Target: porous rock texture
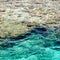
{"points": [[19, 16]]}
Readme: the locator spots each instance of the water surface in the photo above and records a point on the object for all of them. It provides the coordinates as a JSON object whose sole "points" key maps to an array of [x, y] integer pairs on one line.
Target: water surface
{"points": [[40, 44]]}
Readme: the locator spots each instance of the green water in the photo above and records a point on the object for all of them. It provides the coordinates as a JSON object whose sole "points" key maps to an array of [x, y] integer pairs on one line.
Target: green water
{"points": [[33, 47]]}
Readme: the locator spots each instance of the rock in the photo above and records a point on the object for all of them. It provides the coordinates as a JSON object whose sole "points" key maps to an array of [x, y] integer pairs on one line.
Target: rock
{"points": [[20, 16], [13, 28]]}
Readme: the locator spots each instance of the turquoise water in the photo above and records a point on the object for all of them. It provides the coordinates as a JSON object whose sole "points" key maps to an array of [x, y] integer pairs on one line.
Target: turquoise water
{"points": [[36, 46]]}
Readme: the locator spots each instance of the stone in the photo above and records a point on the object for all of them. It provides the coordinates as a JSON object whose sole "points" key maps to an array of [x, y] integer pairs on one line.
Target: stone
{"points": [[20, 16]]}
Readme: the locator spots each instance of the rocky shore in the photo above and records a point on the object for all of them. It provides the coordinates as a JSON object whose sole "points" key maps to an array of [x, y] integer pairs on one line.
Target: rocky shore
{"points": [[20, 16]]}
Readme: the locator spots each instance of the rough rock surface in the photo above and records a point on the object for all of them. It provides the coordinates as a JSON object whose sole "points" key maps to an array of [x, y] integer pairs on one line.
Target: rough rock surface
{"points": [[16, 15]]}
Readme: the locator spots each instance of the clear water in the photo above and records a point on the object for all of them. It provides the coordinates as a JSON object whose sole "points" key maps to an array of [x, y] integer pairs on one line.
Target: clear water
{"points": [[44, 46]]}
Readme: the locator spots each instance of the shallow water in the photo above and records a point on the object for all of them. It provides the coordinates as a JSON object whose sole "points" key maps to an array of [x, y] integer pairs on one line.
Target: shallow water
{"points": [[39, 45]]}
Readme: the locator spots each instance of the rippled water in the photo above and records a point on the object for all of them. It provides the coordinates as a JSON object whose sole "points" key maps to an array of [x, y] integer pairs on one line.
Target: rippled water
{"points": [[41, 44]]}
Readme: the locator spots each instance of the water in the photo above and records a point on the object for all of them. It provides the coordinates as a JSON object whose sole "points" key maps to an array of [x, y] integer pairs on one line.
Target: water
{"points": [[39, 45]]}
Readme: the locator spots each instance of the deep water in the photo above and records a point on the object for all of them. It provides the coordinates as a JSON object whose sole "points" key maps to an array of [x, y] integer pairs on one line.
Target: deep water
{"points": [[38, 44]]}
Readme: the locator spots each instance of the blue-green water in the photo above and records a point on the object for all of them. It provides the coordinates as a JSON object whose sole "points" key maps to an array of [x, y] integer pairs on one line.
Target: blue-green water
{"points": [[37, 46]]}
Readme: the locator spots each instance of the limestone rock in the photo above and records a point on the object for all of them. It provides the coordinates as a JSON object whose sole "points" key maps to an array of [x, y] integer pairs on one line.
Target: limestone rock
{"points": [[13, 12]]}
